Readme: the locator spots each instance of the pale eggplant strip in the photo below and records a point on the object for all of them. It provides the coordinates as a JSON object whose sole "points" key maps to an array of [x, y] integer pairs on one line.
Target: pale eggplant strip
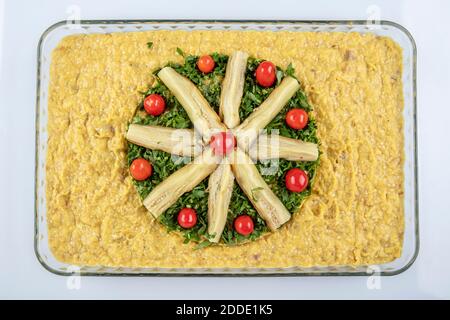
{"points": [[220, 186], [221, 181], [181, 142], [206, 121], [279, 147], [233, 88], [266, 203], [247, 131], [181, 181]]}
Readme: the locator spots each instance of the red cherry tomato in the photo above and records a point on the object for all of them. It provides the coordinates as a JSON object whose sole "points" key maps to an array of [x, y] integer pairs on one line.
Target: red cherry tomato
{"points": [[223, 143], [244, 225], [187, 218], [141, 169], [206, 64], [297, 118], [266, 74], [296, 180], [154, 104]]}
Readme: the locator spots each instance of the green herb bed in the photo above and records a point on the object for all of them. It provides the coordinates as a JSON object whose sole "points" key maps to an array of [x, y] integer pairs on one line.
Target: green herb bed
{"points": [[176, 117]]}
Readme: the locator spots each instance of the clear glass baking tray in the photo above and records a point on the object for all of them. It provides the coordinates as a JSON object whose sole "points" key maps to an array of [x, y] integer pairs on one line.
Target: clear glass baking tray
{"points": [[56, 32]]}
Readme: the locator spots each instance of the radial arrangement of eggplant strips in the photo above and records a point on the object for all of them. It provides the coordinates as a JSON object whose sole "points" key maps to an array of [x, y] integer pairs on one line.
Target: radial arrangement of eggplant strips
{"points": [[252, 145]]}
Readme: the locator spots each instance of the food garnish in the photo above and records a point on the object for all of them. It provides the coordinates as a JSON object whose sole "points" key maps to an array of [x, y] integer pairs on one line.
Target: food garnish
{"points": [[154, 104], [185, 179], [205, 120], [244, 225], [269, 207], [276, 146], [232, 89], [141, 169], [248, 130], [296, 180], [220, 183], [187, 218], [181, 142], [206, 64], [297, 118], [202, 126], [222, 143], [266, 74]]}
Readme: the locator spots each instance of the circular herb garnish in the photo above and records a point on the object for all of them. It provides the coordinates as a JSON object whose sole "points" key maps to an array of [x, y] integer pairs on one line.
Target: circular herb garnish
{"points": [[176, 117]]}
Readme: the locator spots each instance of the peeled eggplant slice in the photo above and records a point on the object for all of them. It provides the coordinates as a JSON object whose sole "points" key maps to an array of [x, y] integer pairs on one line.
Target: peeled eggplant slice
{"points": [[276, 146], [233, 88], [248, 130], [269, 207], [220, 187], [181, 142], [185, 179], [205, 120]]}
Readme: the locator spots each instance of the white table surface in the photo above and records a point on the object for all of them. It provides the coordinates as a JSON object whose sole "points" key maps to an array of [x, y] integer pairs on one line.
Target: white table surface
{"points": [[21, 276]]}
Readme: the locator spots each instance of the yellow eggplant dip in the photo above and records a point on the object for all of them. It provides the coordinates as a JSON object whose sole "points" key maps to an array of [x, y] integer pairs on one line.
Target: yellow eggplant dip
{"points": [[355, 214]]}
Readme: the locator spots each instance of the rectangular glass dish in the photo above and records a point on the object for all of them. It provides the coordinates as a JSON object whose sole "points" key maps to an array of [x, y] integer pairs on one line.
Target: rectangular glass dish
{"points": [[51, 37]]}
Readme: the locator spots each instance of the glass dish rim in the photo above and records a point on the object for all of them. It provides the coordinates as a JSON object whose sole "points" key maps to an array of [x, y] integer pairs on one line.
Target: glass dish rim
{"points": [[232, 21]]}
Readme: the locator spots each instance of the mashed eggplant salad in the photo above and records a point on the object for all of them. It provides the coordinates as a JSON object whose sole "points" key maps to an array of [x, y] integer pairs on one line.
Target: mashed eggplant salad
{"points": [[216, 209], [177, 149]]}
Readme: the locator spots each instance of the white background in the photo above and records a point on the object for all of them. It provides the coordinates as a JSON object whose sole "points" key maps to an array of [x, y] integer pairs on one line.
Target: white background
{"points": [[21, 276]]}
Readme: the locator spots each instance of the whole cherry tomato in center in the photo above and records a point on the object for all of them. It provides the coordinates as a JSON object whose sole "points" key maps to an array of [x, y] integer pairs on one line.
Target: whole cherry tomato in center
{"points": [[244, 225], [154, 104], [296, 180], [223, 143], [187, 218], [266, 74]]}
